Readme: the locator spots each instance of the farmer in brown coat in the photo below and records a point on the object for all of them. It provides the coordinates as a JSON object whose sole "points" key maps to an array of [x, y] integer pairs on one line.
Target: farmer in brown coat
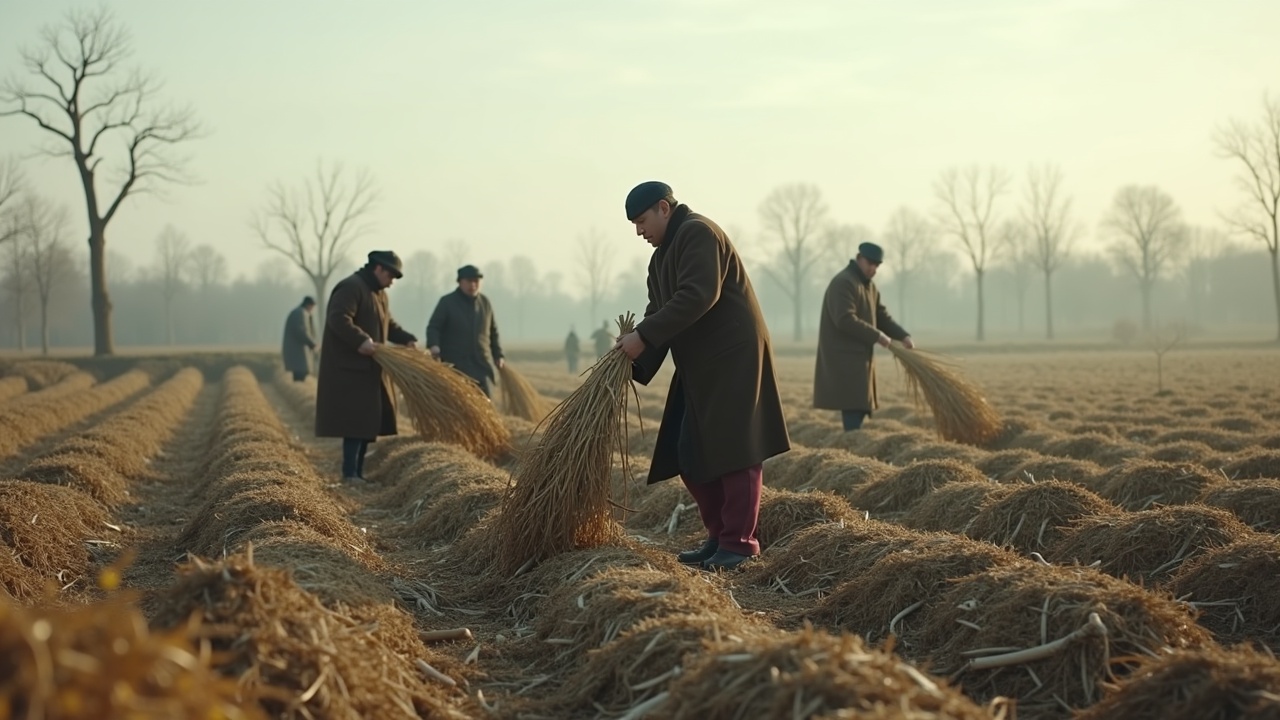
{"points": [[853, 322], [354, 400], [723, 416]]}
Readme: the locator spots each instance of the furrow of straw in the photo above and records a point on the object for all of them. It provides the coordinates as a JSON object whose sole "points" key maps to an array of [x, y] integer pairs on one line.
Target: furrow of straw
{"points": [[22, 426]]}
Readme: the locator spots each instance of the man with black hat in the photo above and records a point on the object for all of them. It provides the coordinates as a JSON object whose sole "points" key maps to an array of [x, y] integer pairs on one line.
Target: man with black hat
{"points": [[723, 416], [853, 322], [463, 332], [299, 339], [354, 399]]}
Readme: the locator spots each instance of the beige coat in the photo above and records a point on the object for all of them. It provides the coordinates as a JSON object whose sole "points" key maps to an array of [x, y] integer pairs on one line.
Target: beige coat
{"points": [[852, 319]]}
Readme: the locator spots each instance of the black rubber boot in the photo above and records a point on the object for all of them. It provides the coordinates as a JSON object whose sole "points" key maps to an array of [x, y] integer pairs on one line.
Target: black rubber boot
{"points": [[696, 557], [724, 560]]}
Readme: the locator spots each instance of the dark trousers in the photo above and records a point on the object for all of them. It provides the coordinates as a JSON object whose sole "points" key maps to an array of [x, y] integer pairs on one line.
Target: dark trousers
{"points": [[353, 452], [730, 509], [299, 375], [853, 418]]}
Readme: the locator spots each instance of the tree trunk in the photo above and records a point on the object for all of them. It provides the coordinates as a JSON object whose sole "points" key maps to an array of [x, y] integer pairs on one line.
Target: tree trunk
{"points": [[20, 318], [322, 304], [1275, 283], [1022, 311], [982, 308], [44, 326], [168, 320], [1048, 305], [103, 344], [1146, 306], [901, 310], [798, 333]]}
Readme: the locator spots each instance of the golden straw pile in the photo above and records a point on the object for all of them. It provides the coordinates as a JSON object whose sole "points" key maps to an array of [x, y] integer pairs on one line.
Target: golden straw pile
{"points": [[445, 405], [961, 413], [519, 398], [561, 494]]}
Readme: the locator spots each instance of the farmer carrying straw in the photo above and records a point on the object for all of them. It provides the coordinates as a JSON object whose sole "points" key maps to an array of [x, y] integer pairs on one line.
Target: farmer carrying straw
{"points": [[723, 415]]}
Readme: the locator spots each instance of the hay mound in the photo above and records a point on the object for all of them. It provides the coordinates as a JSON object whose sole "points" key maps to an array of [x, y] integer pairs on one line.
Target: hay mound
{"points": [[1256, 502], [444, 404], [101, 661], [319, 564], [17, 580], [1148, 545], [301, 658], [1080, 472], [826, 469], [1186, 451], [912, 577], [938, 451], [822, 556], [519, 397], [784, 513], [643, 661], [844, 474], [43, 373], [901, 491], [1031, 517], [1235, 588], [1002, 464], [960, 412], [1239, 423], [952, 507], [1219, 440], [1139, 484], [449, 515], [1264, 464], [1027, 605], [1206, 684], [809, 674], [11, 387], [1081, 447], [665, 507], [47, 526], [892, 445]]}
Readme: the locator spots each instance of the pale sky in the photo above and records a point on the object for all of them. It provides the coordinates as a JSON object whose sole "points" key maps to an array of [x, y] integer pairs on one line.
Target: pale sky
{"points": [[516, 126]]}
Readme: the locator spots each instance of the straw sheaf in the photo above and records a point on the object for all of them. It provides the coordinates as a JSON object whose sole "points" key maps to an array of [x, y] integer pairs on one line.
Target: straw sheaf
{"points": [[444, 404], [810, 674], [822, 556], [1140, 484], [901, 491], [784, 513], [1032, 517], [560, 497], [1235, 589], [1256, 502], [960, 412], [1206, 684], [519, 397]]}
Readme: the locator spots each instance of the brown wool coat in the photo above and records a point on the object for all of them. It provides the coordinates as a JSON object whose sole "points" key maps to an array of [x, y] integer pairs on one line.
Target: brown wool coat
{"points": [[703, 310], [852, 318], [353, 398]]}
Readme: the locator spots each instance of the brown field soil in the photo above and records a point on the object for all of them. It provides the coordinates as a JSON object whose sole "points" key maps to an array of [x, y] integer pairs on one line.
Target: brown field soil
{"points": [[1113, 549]]}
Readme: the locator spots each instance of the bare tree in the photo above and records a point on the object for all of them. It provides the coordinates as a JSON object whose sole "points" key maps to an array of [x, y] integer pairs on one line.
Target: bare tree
{"points": [[315, 224], [1257, 148], [17, 258], [208, 267], [969, 214], [524, 283], [79, 92], [595, 260], [1161, 342], [50, 258], [909, 238], [1046, 213], [173, 257], [11, 182], [1018, 250], [795, 218], [1148, 237], [840, 242]]}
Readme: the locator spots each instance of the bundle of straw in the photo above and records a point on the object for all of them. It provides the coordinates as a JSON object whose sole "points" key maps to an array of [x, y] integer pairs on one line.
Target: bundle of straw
{"points": [[560, 499], [444, 404], [960, 411], [519, 398]]}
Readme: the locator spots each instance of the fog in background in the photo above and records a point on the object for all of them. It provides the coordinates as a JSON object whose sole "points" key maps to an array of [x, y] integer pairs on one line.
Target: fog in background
{"points": [[507, 135]]}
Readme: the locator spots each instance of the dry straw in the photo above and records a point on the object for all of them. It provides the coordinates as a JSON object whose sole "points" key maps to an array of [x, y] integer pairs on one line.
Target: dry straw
{"points": [[960, 411], [519, 398], [444, 404], [561, 493]]}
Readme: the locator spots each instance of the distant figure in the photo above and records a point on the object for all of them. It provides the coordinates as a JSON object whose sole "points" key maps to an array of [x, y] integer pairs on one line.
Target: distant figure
{"points": [[572, 349], [604, 339], [853, 322], [354, 399], [299, 339], [462, 331]]}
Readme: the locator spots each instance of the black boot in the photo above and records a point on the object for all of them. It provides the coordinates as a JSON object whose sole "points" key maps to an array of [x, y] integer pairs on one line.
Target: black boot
{"points": [[696, 557], [724, 560]]}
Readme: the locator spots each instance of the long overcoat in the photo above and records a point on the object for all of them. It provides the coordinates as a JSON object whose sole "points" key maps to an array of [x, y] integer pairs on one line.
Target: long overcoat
{"points": [[299, 339], [723, 411], [464, 329], [853, 317], [353, 397]]}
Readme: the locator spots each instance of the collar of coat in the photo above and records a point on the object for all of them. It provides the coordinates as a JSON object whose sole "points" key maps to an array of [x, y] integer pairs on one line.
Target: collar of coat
{"points": [[857, 273], [465, 296], [678, 216], [370, 279]]}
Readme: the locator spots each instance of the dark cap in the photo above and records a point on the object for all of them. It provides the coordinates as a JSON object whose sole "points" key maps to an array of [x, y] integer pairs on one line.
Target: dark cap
{"points": [[308, 300], [871, 252], [388, 260], [646, 195], [469, 272]]}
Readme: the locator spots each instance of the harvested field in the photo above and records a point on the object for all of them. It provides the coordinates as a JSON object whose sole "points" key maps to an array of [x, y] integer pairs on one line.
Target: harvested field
{"points": [[328, 600]]}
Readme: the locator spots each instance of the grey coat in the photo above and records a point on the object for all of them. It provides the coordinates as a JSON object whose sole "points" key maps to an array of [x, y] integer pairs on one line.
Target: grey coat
{"points": [[299, 340], [464, 329]]}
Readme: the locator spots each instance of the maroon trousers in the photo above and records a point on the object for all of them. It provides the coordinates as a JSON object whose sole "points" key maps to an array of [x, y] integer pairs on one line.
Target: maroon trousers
{"points": [[729, 507]]}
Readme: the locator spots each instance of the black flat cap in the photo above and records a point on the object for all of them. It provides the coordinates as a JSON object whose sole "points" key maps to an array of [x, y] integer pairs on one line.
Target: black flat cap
{"points": [[469, 272], [646, 195], [388, 260], [871, 251]]}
